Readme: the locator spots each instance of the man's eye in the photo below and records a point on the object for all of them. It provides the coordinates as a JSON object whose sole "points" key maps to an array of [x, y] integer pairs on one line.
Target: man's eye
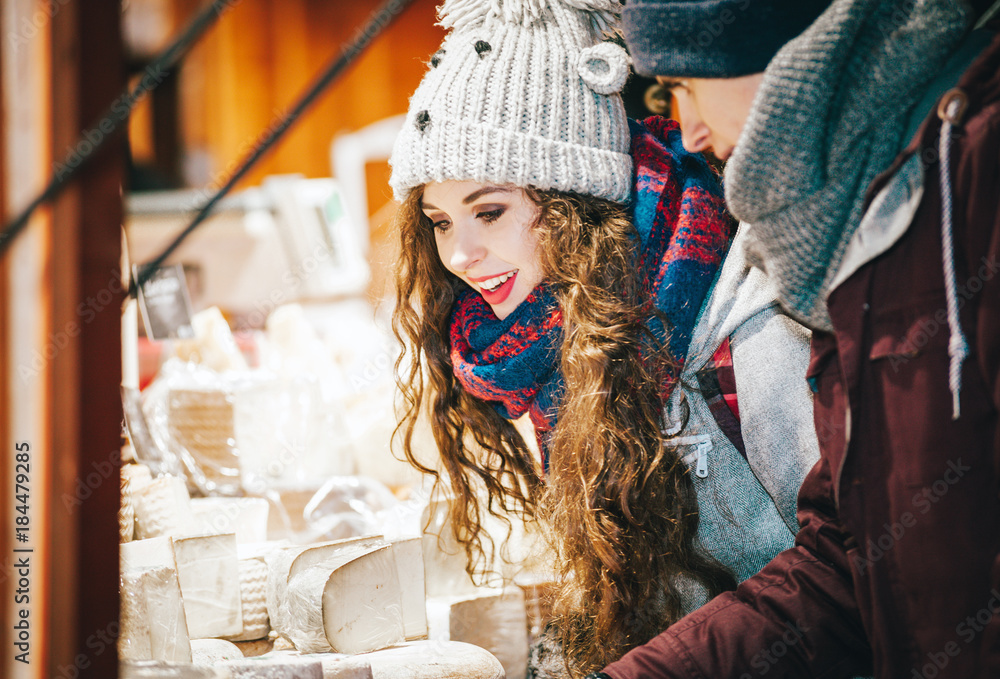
{"points": [[491, 216]]}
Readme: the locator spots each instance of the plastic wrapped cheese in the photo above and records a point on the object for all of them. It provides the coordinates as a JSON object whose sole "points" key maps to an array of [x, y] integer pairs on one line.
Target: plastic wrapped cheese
{"points": [[154, 624], [209, 573], [275, 667], [133, 638], [493, 619], [253, 594], [149, 669], [350, 605], [282, 563]]}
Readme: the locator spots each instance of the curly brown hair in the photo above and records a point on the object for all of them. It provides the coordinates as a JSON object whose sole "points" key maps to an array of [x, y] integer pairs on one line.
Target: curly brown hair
{"points": [[617, 503]]}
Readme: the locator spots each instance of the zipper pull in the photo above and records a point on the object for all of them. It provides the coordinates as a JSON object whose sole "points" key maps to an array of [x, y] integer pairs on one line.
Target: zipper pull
{"points": [[701, 467]]}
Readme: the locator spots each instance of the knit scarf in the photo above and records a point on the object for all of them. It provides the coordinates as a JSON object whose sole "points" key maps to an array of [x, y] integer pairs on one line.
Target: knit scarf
{"points": [[678, 210], [829, 116]]}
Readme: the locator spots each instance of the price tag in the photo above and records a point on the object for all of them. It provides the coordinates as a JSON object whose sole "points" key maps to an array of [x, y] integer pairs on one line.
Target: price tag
{"points": [[165, 304]]}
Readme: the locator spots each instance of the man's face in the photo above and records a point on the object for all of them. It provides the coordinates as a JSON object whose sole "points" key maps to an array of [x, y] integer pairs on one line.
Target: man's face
{"points": [[712, 111]]}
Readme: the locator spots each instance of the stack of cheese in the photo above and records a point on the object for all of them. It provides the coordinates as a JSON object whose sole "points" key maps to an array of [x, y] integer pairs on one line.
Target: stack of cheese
{"points": [[183, 577], [199, 585], [348, 596]]}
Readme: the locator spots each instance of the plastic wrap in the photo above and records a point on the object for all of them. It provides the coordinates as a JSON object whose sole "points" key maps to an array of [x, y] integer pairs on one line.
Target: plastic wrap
{"points": [[148, 669], [163, 507], [275, 666], [209, 574], [347, 506], [253, 593], [153, 622], [213, 651], [189, 411], [133, 637], [493, 619]]}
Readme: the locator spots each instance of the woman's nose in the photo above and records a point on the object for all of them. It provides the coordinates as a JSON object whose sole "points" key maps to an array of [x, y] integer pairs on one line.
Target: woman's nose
{"points": [[469, 248]]}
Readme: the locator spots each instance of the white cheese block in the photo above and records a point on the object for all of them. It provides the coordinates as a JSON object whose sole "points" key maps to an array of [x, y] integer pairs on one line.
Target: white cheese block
{"points": [[434, 660], [282, 563], [275, 666], [213, 651], [444, 558], [148, 553], [352, 605], [209, 573], [245, 516], [153, 622], [163, 507], [493, 619], [253, 590], [408, 554]]}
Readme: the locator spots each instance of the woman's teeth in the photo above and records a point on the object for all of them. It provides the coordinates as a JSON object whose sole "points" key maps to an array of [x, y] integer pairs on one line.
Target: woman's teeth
{"points": [[493, 283]]}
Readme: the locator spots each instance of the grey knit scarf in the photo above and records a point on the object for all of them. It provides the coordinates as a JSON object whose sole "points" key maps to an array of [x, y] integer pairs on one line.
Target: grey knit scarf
{"points": [[829, 116]]}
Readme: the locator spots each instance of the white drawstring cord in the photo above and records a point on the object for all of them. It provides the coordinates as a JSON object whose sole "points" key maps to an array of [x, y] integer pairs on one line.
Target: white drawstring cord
{"points": [[951, 108]]}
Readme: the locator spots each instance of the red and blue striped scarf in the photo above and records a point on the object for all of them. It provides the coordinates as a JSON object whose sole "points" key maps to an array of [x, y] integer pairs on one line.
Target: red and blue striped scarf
{"points": [[678, 209]]}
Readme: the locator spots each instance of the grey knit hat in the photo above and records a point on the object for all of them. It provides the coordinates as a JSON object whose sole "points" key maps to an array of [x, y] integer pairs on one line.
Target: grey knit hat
{"points": [[522, 92], [712, 38]]}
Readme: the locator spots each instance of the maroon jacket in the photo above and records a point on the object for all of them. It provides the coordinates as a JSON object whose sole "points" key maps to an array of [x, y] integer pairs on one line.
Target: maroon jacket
{"points": [[895, 569]]}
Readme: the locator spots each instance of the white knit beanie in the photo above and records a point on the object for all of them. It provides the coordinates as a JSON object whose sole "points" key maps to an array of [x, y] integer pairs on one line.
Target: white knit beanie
{"points": [[522, 92]]}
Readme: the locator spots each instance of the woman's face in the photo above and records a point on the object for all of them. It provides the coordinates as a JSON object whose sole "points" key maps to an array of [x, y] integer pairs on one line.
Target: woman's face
{"points": [[485, 236]]}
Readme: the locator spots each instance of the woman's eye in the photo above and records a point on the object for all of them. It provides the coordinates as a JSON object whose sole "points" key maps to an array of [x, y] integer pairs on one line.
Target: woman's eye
{"points": [[441, 225], [491, 216]]}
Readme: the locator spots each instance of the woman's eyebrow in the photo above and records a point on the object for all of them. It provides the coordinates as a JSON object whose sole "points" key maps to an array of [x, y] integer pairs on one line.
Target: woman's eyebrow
{"points": [[478, 193]]}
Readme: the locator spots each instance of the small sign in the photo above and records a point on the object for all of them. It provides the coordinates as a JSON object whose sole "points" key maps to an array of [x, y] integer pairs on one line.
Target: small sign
{"points": [[165, 304]]}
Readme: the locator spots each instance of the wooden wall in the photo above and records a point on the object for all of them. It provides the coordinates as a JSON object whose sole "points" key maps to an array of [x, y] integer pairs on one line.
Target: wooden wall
{"points": [[261, 54]]}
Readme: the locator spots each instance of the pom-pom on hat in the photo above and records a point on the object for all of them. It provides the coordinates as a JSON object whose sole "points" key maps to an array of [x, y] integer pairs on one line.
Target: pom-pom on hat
{"points": [[522, 92]]}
